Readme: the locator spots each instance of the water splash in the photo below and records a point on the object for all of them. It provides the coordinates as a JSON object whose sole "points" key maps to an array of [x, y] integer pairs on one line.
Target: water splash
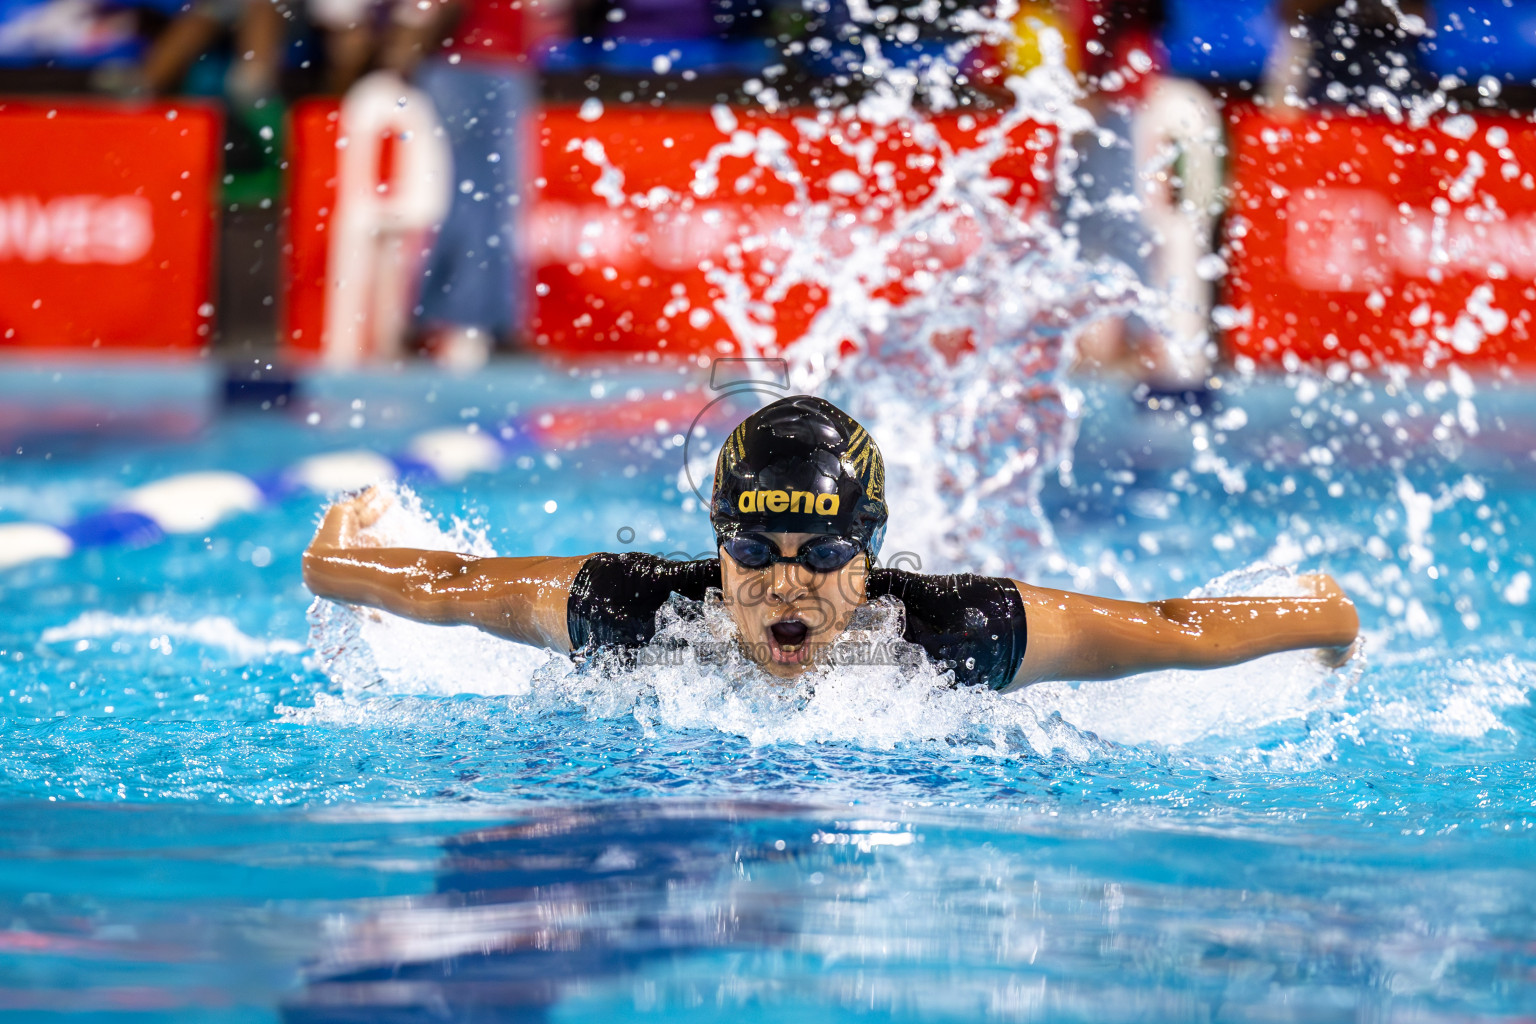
{"points": [[367, 651], [962, 374], [883, 693], [213, 631], [689, 677], [947, 312]]}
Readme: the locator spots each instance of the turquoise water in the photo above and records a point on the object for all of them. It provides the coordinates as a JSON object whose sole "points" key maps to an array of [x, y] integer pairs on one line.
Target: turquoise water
{"points": [[217, 805]]}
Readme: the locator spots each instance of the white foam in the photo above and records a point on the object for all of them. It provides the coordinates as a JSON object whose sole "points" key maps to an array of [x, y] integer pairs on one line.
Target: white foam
{"points": [[882, 706], [370, 651], [1464, 703], [210, 631], [1178, 707], [900, 698]]}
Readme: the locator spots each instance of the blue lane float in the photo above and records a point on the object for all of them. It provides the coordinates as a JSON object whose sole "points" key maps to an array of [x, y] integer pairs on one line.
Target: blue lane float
{"points": [[191, 503]]}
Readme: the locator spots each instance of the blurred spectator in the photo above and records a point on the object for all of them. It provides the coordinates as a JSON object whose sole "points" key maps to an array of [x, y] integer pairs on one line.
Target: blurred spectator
{"points": [[1143, 184], [394, 182], [1113, 55], [1033, 18], [912, 37], [259, 33], [351, 30], [1362, 53], [189, 56], [473, 58]]}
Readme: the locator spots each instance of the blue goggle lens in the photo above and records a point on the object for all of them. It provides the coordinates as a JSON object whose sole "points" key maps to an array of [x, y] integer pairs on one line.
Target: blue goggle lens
{"points": [[750, 552], [824, 555], [830, 554]]}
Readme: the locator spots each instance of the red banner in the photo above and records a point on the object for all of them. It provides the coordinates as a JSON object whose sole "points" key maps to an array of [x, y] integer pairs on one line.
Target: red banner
{"points": [[1354, 239], [312, 133], [627, 234], [623, 233], [106, 224]]}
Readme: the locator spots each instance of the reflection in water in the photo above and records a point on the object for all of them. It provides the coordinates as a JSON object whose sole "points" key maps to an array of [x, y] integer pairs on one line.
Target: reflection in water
{"points": [[525, 912]]}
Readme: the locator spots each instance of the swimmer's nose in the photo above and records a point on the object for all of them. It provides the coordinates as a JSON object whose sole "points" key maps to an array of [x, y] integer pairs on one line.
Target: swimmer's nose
{"points": [[785, 583]]}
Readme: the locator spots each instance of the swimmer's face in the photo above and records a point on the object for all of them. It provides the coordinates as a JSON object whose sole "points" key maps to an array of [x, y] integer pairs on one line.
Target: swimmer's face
{"points": [[787, 614]]}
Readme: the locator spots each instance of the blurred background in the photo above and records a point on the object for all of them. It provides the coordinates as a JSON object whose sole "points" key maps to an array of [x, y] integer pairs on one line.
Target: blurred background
{"points": [[364, 181]]}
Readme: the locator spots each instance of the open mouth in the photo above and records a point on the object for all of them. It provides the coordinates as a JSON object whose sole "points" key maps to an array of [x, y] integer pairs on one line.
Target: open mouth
{"points": [[788, 639]]}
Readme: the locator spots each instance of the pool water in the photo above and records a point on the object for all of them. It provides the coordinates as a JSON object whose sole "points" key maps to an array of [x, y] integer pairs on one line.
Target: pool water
{"points": [[220, 803]]}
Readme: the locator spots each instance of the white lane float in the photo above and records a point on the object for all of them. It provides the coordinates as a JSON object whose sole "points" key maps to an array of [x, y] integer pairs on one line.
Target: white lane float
{"points": [[343, 471], [192, 503], [454, 454], [27, 542]]}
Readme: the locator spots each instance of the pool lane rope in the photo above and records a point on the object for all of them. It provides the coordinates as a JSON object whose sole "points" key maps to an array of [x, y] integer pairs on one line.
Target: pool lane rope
{"points": [[193, 503]]}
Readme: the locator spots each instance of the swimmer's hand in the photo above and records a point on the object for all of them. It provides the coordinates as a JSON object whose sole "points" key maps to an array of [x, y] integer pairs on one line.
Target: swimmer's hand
{"points": [[345, 522], [1338, 657], [1323, 586]]}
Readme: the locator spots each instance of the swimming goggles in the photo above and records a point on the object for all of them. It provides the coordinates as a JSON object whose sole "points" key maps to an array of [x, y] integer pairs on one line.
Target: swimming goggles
{"points": [[824, 554]]}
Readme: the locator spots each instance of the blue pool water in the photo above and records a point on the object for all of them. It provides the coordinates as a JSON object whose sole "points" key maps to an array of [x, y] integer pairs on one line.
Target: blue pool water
{"points": [[216, 804]]}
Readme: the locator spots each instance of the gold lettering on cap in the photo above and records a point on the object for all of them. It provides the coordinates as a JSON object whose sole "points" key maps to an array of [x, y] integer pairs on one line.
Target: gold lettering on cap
{"points": [[793, 501]]}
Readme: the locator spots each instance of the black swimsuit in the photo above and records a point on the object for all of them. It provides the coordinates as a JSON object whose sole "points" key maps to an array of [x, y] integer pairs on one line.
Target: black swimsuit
{"points": [[971, 624]]}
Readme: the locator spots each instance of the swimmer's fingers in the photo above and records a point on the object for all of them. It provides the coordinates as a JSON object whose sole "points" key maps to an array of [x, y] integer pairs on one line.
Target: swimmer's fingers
{"points": [[358, 513], [346, 520], [1338, 657], [369, 506]]}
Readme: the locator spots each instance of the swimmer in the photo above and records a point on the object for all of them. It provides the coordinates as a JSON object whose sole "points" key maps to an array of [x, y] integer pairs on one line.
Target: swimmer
{"points": [[799, 512]]}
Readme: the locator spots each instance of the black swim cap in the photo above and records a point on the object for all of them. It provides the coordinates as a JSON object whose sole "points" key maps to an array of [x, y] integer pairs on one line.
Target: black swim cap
{"points": [[800, 465]]}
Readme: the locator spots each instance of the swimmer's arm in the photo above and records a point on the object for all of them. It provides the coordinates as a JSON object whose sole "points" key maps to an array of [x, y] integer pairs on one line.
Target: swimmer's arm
{"points": [[1073, 636], [521, 599]]}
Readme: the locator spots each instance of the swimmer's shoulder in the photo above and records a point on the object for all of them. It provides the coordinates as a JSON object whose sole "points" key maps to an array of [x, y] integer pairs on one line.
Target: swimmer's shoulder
{"points": [[615, 596], [644, 570], [974, 624]]}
